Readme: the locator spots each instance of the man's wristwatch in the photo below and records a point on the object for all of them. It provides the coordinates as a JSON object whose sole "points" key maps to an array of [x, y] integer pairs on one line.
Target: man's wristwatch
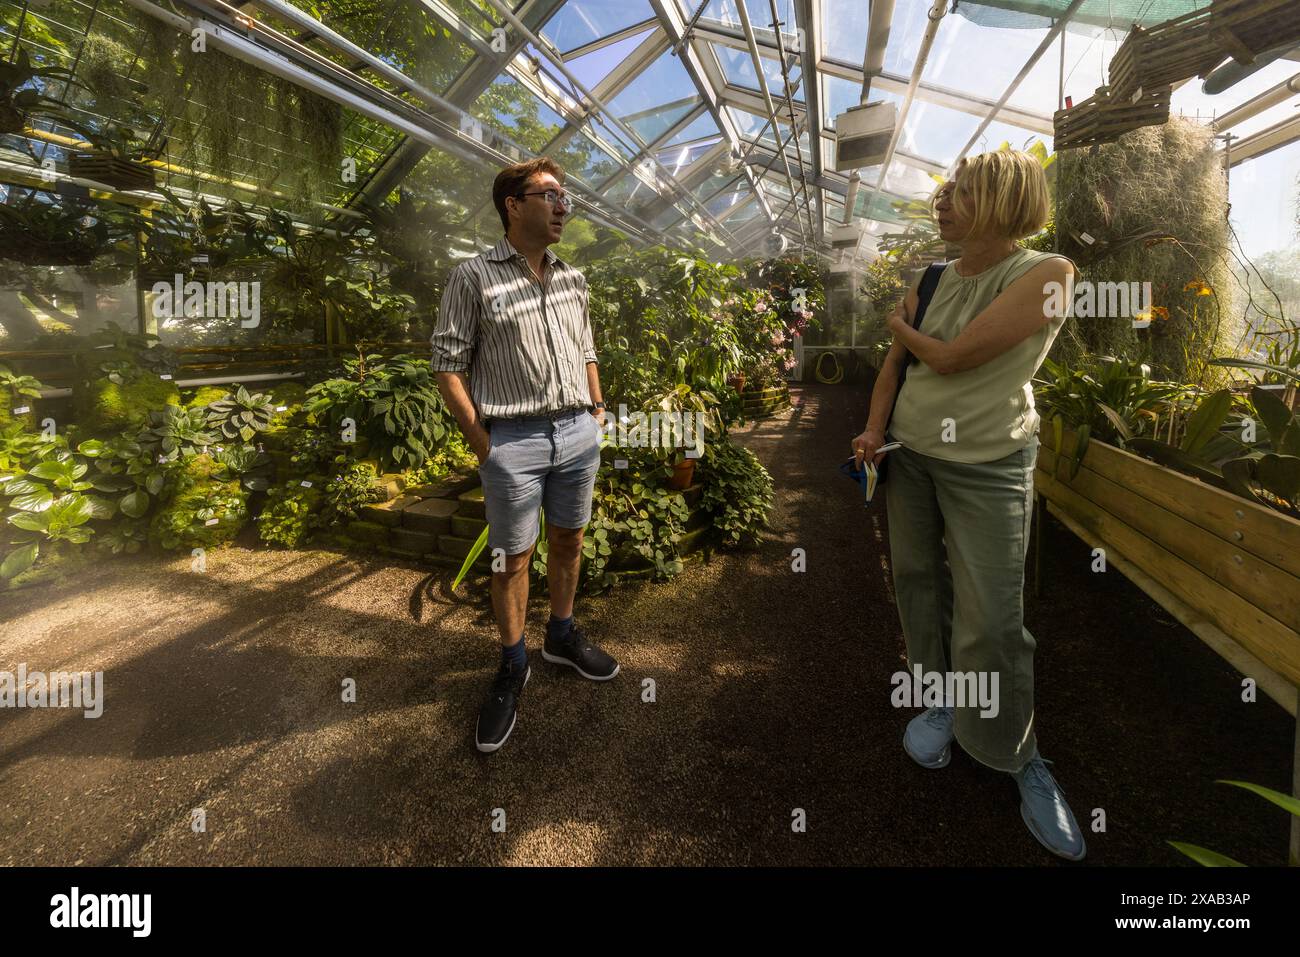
{"points": [[598, 405]]}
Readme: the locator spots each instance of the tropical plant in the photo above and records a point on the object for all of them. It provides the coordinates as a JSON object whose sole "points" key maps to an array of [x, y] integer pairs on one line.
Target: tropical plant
{"points": [[50, 505], [1215, 449], [125, 467], [737, 492], [353, 487], [291, 515], [17, 386], [174, 431], [393, 402], [1208, 858], [241, 414], [18, 100], [1107, 398]]}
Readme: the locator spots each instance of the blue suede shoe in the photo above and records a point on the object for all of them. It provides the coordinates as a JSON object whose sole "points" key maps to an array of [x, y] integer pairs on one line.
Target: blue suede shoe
{"points": [[1045, 812], [928, 738]]}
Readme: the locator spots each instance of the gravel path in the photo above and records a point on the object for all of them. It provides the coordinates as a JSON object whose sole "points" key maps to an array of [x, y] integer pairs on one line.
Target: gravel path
{"points": [[223, 693]]}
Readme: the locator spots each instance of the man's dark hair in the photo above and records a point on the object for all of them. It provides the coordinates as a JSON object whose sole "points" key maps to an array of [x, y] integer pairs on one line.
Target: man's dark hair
{"points": [[513, 180]]}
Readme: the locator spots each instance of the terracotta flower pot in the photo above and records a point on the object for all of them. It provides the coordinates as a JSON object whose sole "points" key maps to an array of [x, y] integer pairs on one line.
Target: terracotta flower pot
{"points": [[737, 382], [683, 472]]}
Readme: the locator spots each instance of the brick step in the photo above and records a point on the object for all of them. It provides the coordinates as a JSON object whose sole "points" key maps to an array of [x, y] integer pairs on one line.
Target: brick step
{"points": [[463, 526], [456, 547], [471, 503], [432, 515]]}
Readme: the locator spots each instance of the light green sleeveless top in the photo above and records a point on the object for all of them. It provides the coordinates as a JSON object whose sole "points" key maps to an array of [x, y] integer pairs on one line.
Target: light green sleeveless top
{"points": [[985, 413]]}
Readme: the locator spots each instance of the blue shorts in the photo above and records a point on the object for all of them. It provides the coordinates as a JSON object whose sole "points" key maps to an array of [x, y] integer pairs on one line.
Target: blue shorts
{"points": [[538, 462]]}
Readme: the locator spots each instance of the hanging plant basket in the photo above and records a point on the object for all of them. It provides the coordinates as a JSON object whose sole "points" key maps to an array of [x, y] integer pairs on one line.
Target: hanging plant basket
{"points": [[1104, 117], [1197, 42], [114, 171]]}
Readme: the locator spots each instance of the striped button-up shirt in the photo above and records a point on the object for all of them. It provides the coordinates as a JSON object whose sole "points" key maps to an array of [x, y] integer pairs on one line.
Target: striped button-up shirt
{"points": [[525, 346]]}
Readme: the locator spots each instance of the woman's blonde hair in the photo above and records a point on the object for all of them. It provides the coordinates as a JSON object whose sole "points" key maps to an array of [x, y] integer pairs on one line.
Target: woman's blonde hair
{"points": [[1004, 192]]}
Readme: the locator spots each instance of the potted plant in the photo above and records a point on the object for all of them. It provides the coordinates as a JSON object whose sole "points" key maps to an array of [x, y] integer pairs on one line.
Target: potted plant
{"points": [[673, 407]]}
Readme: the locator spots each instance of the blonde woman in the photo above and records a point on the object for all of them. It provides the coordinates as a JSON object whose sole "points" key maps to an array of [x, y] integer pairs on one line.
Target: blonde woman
{"points": [[959, 492]]}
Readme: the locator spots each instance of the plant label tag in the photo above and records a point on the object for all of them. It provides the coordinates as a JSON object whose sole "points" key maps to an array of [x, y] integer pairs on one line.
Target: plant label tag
{"points": [[306, 484], [1087, 238], [281, 408], [22, 409], [1136, 96], [212, 521], [166, 377], [620, 463]]}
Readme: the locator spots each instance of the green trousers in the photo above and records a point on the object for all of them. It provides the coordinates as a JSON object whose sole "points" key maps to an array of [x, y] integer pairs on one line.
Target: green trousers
{"points": [[958, 535]]}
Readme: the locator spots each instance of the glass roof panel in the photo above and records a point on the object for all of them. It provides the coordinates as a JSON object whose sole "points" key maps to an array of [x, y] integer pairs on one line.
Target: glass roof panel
{"points": [[513, 110], [726, 13], [677, 158], [591, 68], [659, 96], [733, 194], [579, 22], [584, 160], [699, 128], [738, 67]]}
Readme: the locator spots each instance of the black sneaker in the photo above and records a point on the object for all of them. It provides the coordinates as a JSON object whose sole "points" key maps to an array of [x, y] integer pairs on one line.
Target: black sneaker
{"points": [[496, 719], [580, 655]]}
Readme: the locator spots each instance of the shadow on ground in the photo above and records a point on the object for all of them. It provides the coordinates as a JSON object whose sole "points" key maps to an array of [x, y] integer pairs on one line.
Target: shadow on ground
{"points": [[772, 692]]}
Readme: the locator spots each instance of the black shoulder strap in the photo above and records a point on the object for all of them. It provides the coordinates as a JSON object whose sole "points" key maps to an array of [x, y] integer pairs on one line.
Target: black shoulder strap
{"points": [[924, 293]]}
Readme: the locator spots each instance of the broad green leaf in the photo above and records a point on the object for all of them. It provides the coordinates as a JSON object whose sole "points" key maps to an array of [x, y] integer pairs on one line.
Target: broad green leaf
{"points": [[154, 482], [30, 521], [101, 508], [37, 501], [19, 560], [1280, 474], [1205, 421], [1285, 801], [1203, 856], [134, 504], [1275, 414]]}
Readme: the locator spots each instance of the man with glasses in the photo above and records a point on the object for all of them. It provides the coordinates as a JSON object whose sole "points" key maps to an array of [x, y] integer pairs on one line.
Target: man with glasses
{"points": [[516, 365]]}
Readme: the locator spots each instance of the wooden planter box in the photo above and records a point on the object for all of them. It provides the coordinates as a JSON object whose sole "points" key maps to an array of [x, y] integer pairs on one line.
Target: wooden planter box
{"points": [[1197, 42], [1105, 117], [1227, 568], [1233, 562], [112, 171]]}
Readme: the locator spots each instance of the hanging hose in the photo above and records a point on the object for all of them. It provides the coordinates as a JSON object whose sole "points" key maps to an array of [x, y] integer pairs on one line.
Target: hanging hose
{"points": [[832, 379]]}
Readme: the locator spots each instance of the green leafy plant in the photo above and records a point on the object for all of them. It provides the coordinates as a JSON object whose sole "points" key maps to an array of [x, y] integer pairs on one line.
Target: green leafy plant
{"points": [[353, 487], [737, 492], [126, 468], [393, 402], [49, 505], [18, 100], [291, 515], [204, 509], [1208, 858], [241, 414], [1106, 398], [174, 431], [1266, 471]]}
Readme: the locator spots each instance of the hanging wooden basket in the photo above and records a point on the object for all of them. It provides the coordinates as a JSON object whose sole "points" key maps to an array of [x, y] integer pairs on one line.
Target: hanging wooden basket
{"points": [[1104, 117], [1197, 42], [113, 171]]}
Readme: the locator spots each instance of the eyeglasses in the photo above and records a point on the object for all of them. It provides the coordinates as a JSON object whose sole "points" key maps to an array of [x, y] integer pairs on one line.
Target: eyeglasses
{"points": [[555, 199]]}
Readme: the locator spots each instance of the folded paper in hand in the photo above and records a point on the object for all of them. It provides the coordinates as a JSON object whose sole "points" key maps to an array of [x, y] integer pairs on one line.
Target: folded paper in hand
{"points": [[869, 475]]}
